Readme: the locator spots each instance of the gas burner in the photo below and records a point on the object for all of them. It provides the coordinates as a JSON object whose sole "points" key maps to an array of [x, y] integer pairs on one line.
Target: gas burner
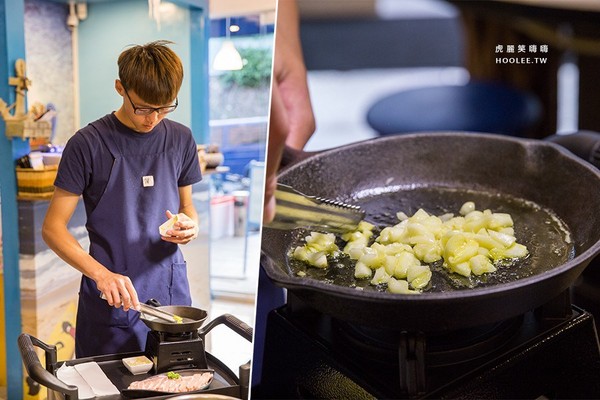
{"points": [[530, 356], [439, 349], [175, 337], [170, 351]]}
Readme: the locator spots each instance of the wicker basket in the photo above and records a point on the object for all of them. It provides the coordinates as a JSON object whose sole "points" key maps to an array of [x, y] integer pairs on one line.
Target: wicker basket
{"points": [[36, 183]]}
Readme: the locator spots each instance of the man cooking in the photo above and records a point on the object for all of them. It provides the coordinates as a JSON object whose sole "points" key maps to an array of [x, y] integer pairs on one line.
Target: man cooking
{"points": [[132, 167]]}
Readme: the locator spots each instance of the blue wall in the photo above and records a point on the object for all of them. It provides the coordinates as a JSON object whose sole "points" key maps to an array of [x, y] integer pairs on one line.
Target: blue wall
{"points": [[111, 27], [12, 47]]}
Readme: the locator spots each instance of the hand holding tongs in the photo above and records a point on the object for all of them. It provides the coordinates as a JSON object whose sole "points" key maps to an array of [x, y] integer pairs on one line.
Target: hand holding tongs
{"points": [[294, 209]]}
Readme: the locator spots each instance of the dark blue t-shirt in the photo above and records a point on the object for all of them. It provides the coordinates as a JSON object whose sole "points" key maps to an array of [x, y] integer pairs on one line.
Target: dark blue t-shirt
{"points": [[86, 161]]}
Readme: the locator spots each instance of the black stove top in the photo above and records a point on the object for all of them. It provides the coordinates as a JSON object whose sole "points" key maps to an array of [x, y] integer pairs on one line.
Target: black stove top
{"points": [[528, 356]]}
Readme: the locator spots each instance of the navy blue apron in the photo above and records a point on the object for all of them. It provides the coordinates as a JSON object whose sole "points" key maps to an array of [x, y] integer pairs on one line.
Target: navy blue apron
{"points": [[124, 237]]}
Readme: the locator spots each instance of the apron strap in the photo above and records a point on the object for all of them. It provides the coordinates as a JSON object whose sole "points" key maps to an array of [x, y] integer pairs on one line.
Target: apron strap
{"points": [[108, 140]]}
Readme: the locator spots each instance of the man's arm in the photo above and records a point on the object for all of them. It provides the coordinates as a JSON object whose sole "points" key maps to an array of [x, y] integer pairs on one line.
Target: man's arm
{"points": [[290, 76], [117, 289], [292, 121]]}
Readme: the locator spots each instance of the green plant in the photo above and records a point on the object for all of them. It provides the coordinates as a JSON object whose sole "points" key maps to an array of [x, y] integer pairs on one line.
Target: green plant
{"points": [[256, 71]]}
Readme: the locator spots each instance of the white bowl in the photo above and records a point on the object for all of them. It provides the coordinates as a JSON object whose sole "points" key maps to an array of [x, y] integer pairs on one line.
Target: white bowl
{"points": [[51, 158], [138, 365]]}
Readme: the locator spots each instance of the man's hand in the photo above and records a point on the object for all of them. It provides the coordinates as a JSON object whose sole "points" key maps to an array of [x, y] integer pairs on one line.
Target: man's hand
{"points": [[118, 290], [184, 231]]}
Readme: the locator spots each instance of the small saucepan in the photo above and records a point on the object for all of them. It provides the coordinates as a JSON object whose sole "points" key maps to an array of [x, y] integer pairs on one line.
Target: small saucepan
{"points": [[193, 318]]}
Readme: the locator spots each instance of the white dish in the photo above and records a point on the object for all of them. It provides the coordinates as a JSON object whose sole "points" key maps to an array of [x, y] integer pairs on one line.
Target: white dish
{"points": [[168, 225], [138, 365]]}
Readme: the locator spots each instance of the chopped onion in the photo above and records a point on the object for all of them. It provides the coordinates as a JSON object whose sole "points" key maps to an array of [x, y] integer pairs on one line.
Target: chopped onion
{"points": [[468, 244]]}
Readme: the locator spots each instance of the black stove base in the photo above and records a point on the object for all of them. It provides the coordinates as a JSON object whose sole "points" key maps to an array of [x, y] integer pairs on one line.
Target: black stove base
{"points": [[542, 359], [177, 353]]}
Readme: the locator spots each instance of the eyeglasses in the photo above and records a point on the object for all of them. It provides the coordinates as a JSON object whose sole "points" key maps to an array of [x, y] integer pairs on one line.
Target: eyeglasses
{"points": [[150, 110]]}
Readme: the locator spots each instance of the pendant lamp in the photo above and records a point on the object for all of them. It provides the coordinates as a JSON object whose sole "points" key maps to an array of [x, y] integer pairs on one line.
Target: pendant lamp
{"points": [[228, 58], [154, 11]]}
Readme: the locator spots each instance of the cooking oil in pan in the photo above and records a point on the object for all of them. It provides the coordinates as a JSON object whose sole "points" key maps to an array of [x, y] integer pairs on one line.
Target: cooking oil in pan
{"points": [[545, 235]]}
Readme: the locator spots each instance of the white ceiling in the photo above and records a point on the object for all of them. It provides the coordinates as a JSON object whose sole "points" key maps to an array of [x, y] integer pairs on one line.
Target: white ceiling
{"points": [[231, 8], [220, 8], [223, 8]]}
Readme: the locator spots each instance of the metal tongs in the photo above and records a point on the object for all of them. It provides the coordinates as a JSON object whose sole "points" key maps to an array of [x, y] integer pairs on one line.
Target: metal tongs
{"points": [[161, 314], [294, 210], [146, 309]]}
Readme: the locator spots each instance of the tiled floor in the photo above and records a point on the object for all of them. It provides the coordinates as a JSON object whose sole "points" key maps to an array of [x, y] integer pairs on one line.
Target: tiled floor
{"points": [[234, 264]]}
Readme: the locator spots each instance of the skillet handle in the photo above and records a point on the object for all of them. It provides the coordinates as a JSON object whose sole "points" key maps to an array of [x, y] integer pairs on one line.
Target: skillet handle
{"points": [[153, 303], [584, 144], [37, 372], [236, 325]]}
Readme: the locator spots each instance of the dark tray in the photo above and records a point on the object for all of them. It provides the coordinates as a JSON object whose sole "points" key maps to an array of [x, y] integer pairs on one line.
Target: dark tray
{"points": [[224, 380]]}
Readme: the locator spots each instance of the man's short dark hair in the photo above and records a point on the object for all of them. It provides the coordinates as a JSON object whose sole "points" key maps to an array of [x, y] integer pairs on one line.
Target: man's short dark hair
{"points": [[153, 71]]}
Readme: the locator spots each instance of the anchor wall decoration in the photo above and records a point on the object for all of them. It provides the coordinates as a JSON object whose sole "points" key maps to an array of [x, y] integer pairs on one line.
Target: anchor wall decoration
{"points": [[32, 124]]}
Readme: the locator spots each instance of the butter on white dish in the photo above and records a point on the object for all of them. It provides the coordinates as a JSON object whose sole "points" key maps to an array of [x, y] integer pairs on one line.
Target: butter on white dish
{"points": [[137, 365], [168, 225]]}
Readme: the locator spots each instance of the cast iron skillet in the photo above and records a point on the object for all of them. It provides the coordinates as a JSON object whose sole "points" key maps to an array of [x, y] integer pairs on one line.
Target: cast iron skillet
{"points": [[196, 315], [433, 171]]}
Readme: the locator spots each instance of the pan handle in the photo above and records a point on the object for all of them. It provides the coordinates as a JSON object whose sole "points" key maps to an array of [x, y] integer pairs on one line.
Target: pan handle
{"points": [[239, 327], [153, 303], [584, 144], [37, 372]]}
